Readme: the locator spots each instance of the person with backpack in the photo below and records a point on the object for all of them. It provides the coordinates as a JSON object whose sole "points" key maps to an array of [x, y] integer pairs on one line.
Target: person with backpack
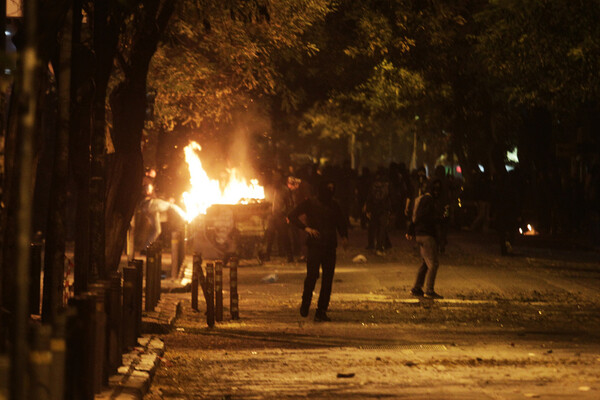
{"points": [[424, 228]]}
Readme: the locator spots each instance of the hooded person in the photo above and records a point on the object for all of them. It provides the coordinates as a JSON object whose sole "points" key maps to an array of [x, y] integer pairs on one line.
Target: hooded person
{"points": [[425, 223], [324, 221]]}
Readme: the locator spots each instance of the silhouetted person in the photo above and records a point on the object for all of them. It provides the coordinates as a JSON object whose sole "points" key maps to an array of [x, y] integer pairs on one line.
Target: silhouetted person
{"points": [[507, 209], [482, 195], [426, 218], [324, 220], [280, 198], [378, 209], [362, 191]]}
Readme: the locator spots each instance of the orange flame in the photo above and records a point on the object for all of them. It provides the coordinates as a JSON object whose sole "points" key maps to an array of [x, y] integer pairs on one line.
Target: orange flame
{"points": [[205, 192]]}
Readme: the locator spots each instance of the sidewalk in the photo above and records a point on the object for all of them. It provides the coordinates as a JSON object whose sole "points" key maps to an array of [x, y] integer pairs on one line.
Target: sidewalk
{"points": [[134, 377]]}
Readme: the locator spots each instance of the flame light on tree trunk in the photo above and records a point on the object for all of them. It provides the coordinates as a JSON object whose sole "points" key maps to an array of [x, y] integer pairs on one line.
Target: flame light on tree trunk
{"points": [[205, 191]]}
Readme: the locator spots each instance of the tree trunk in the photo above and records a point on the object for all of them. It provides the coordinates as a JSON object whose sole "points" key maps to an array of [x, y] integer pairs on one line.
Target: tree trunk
{"points": [[128, 105]]}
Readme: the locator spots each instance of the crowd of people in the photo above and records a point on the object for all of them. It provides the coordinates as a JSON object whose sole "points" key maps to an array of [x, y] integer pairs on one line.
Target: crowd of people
{"points": [[311, 205], [378, 201]]}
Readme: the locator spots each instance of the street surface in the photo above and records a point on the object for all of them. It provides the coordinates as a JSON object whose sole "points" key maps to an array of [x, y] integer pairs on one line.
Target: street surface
{"points": [[525, 326]]}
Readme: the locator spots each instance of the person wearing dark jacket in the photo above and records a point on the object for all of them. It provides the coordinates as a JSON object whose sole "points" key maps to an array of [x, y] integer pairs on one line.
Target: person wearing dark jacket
{"points": [[425, 225], [324, 220]]}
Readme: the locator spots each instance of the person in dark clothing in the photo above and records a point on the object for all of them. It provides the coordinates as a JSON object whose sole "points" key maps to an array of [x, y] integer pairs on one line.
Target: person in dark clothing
{"points": [[507, 208], [324, 220], [280, 198], [362, 192], [378, 208], [443, 203], [424, 228]]}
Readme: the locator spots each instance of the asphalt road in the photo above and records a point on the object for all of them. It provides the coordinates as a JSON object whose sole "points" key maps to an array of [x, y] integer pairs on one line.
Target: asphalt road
{"points": [[525, 326]]}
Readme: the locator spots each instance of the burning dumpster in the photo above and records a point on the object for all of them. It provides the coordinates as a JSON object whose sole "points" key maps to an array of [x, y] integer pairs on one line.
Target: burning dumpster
{"points": [[230, 230], [225, 217]]}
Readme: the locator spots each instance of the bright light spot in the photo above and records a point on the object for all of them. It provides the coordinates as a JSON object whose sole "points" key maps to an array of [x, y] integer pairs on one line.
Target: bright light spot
{"points": [[458, 169], [205, 192], [521, 231], [529, 228], [481, 167], [512, 155], [509, 168]]}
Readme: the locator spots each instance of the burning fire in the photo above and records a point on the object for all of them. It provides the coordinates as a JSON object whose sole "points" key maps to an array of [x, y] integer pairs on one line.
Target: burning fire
{"points": [[205, 192]]}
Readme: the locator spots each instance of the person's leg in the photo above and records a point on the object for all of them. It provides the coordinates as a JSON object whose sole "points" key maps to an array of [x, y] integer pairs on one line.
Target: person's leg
{"points": [[269, 238], [328, 265], [313, 262], [430, 255], [417, 288]]}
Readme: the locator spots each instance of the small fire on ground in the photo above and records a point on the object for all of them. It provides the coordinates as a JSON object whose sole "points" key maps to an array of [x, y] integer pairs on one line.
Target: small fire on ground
{"points": [[205, 192]]}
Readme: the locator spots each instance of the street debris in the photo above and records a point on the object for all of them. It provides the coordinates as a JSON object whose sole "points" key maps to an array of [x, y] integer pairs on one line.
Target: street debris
{"points": [[271, 278], [359, 259]]}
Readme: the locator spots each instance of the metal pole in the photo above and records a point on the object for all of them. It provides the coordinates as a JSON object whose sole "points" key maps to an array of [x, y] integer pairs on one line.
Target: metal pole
{"points": [[129, 313], [100, 377], [138, 294], [58, 348], [219, 291], [35, 283], [80, 348], [26, 89], [175, 254], [210, 291], [150, 277], [40, 363], [196, 265], [158, 271], [233, 289], [113, 313], [131, 239]]}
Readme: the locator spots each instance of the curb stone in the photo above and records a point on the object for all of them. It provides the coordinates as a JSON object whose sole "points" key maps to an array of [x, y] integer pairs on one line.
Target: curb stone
{"points": [[132, 380]]}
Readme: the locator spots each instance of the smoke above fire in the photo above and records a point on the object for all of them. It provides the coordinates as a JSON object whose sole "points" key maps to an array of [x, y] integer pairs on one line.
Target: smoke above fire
{"points": [[204, 191]]}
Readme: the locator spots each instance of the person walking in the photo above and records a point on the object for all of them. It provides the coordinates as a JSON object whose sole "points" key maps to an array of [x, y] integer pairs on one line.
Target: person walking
{"points": [[424, 228], [324, 221]]}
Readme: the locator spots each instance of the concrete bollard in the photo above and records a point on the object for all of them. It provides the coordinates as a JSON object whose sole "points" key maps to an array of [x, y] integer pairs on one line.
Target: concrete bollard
{"points": [[151, 277], [35, 278], [219, 291], [114, 320], [138, 294], [233, 289], [158, 272], [4, 375], [80, 348], [175, 253], [209, 294], [128, 313], [58, 347], [100, 371], [196, 266]]}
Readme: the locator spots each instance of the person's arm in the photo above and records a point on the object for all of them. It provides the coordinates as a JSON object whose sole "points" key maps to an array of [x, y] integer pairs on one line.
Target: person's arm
{"points": [[294, 218]]}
